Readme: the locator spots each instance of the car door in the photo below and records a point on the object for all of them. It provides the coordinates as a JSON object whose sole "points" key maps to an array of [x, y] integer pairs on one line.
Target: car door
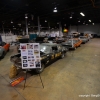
{"points": [[48, 58], [55, 52], [4, 46]]}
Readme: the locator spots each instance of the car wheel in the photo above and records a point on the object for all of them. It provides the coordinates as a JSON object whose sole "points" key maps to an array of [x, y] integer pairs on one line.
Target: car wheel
{"points": [[80, 45], [8, 49], [62, 55], [75, 48], [39, 70], [3, 54]]}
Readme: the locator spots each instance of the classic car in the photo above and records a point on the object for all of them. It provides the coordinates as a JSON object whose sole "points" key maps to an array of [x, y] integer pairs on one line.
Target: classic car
{"points": [[51, 39], [4, 47], [48, 52], [72, 43], [76, 35], [41, 39], [84, 39], [60, 40]]}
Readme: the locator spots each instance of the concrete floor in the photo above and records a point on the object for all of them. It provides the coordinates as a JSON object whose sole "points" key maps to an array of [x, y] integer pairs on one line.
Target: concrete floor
{"points": [[66, 79]]}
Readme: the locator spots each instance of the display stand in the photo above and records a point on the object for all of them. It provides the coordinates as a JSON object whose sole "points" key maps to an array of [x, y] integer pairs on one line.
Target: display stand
{"points": [[30, 55], [26, 78], [41, 81]]}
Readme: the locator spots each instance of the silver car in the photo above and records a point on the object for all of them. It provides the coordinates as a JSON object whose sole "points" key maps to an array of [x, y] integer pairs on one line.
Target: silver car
{"points": [[84, 39]]}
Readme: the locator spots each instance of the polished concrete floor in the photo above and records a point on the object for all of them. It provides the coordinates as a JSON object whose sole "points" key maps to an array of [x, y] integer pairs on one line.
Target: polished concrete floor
{"points": [[76, 77]]}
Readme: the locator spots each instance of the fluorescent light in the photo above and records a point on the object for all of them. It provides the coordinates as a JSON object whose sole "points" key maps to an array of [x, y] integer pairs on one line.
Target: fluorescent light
{"points": [[70, 17], [11, 21], [89, 20], [45, 20], [55, 10], [79, 21], [83, 23], [82, 14], [26, 17], [86, 24], [19, 24], [93, 23]]}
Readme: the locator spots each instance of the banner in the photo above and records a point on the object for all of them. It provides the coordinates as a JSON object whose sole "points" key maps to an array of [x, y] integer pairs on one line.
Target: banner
{"points": [[30, 55]]}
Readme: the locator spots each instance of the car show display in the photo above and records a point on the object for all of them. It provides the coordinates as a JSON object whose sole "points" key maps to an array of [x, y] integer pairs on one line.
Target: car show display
{"points": [[30, 55], [49, 50], [48, 53]]}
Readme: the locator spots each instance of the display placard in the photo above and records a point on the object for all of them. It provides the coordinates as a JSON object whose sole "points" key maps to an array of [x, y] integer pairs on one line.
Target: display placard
{"points": [[30, 55]]}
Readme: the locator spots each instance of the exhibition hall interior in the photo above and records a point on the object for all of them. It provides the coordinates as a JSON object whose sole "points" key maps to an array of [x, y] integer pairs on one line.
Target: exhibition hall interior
{"points": [[49, 49]]}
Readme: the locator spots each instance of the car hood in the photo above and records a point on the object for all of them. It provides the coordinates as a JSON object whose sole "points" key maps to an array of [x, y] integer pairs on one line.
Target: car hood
{"points": [[83, 39], [65, 43]]}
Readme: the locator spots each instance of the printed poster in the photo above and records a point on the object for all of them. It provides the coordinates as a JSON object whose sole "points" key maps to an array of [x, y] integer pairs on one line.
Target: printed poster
{"points": [[30, 55]]}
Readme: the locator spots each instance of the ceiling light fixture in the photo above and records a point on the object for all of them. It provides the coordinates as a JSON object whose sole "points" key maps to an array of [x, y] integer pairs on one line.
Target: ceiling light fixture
{"points": [[28, 23], [70, 17], [82, 14], [93, 23], [26, 16], [19, 24], [89, 20], [78, 20], [45, 21], [86, 24], [11, 21], [55, 9]]}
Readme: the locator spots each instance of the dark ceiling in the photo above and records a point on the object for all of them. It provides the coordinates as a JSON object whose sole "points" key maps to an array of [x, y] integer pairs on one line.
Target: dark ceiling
{"points": [[15, 10]]}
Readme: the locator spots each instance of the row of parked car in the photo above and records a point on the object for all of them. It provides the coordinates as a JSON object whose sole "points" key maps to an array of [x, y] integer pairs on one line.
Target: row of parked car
{"points": [[50, 51]]}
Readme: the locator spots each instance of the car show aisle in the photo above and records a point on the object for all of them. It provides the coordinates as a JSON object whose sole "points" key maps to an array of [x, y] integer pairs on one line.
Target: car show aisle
{"points": [[70, 78]]}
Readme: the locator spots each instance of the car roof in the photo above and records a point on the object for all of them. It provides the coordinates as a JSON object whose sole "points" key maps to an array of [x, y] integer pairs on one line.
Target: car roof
{"points": [[83, 36], [50, 44], [74, 39]]}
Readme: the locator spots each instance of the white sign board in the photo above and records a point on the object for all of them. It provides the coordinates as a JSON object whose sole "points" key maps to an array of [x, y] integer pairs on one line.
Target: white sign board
{"points": [[30, 55]]}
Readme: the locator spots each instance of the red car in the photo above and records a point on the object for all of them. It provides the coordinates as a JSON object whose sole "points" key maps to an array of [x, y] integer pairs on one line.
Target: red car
{"points": [[4, 47]]}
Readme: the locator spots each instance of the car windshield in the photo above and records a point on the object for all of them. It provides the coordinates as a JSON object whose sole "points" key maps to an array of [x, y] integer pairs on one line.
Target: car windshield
{"points": [[45, 49], [70, 41]]}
